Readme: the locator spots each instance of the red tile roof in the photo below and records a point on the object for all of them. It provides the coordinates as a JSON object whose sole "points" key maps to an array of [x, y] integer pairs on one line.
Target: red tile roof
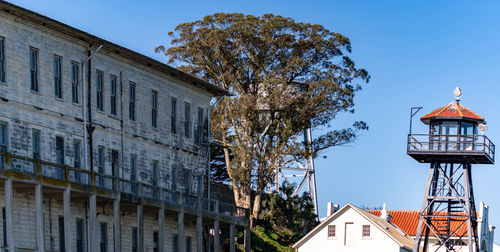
{"points": [[452, 110], [407, 221]]}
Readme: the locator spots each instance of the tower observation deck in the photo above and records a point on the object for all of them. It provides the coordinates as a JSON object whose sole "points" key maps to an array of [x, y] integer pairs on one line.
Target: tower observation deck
{"points": [[451, 146]]}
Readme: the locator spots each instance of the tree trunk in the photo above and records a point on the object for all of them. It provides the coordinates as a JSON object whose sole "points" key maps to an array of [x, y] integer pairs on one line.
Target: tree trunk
{"points": [[256, 208]]}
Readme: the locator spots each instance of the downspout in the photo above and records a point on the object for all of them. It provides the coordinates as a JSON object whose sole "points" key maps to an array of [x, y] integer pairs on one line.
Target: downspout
{"points": [[86, 108]]}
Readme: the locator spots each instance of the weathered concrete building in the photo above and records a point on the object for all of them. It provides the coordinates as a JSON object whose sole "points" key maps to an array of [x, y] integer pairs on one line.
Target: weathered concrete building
{"points": [[101, 148]]}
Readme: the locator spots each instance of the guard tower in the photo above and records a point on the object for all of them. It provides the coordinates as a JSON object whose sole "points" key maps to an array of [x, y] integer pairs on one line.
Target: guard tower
{"points": [[452, 145]]}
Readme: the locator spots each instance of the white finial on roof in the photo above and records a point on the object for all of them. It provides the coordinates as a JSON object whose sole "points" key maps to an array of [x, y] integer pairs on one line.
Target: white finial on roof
{"points": [[457, 93], [383, 213]]}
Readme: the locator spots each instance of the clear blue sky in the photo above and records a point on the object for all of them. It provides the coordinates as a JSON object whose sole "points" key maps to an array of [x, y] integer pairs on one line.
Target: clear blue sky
{"points": [[415, 51]]}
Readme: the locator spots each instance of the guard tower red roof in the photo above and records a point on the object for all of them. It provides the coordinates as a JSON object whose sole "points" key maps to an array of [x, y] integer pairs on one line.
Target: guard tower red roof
{"points": [[453, 110]]}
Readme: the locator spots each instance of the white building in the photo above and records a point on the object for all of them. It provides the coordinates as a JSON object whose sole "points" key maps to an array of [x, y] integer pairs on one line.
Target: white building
{"points": [[353, 229]]}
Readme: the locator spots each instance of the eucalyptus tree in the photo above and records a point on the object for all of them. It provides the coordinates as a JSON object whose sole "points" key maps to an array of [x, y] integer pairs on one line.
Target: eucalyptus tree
{"points": [[285, 76]]}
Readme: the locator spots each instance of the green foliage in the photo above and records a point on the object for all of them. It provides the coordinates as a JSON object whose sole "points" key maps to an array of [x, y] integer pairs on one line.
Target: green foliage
{"points": [[289, 212], [267, 240], [286, 76]]}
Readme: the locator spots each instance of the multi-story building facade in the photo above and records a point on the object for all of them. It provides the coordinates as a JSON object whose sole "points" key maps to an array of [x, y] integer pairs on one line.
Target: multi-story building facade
{"points": [[101, 148]]}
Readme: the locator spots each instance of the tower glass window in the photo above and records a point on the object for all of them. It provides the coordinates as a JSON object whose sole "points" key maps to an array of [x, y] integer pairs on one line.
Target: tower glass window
{"points": [[99, 91], [57, 77], [113, 95], [74, 82], [2, 59], [131, 101], [34, 69]]}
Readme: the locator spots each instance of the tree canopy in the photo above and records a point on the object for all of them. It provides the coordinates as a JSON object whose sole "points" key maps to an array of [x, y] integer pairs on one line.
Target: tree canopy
{"points": [[285, 77]]}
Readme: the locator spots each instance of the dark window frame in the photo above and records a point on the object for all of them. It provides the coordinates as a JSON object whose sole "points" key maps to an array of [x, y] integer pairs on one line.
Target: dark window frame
{"points": [[75, 82], [154, 109], [173, 116], [2, 59], [62, 242], [366, 233], [187, 120], [99, 89], [80, 234], [332, 231], [58, 77], [199, 126], [113, 95], [35, 143], [4, 142], [34, 70], [103, 241], [131, 101]]}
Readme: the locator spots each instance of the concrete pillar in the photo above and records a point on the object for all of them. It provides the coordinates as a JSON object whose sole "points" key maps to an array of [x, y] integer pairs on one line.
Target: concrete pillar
{"points": [[116, 225], [8, 215], [216, 236], [247, 238], [199, 233], [161, 229], [67, 218], [180, 232], [140, 229], [93, 223], [216, 229], [231, 237], [39, 218]]}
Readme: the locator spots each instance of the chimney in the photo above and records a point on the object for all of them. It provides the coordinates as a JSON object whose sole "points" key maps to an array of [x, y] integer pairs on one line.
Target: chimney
{"points": [[384, 214], [331, 208]]}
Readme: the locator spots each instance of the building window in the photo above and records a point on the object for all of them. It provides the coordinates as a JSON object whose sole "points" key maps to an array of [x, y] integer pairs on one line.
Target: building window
{"points": [[34, 69], [113, 95], [174, 242], [60, 156], [187, 181], [199, 126], [99, 91], [174, 178], [133, 170], [100, 164], [35, 143], [155, 173], [154, 108], [173, 116], [331, 231], [57, 77], [74, 82], [104, 237], [2, 59], [134, 239], [187, 120], [77, 150], [62, 244], [188, 243], [155, 241], [3, 143], [79, 234], [114, 163], [131, 101], [366, 231]]}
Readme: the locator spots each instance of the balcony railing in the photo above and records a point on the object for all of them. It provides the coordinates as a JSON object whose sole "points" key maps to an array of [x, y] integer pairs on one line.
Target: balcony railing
{"points": [[68, 174], [452, 145]]}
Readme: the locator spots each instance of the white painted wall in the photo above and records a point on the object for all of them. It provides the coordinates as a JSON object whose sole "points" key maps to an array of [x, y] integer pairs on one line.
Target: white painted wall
{"points": [[378, 241]]}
